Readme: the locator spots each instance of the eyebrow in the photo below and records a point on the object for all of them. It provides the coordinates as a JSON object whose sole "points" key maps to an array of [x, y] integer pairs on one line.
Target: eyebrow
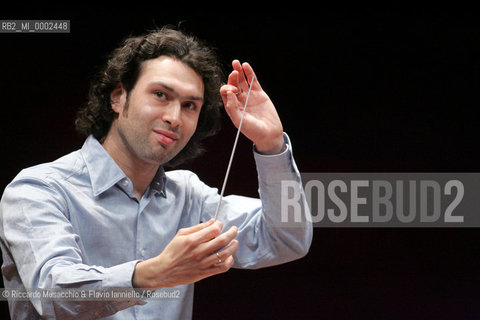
{"points": [[170, 89]]}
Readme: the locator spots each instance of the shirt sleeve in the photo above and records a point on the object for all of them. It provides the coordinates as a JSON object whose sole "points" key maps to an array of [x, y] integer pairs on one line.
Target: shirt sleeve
{"points": [[276, 228], [38, 238]]}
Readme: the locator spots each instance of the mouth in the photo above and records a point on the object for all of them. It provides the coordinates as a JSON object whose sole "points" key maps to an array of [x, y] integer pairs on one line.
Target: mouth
{"points": [[166, 137]]}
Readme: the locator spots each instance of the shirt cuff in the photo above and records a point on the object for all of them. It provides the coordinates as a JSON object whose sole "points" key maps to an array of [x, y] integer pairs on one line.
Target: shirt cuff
{"points": [[120, 276], [269, 166]]}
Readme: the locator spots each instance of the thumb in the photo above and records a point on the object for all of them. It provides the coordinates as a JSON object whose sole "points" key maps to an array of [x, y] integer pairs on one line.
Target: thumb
{"points": [[233, 109]]}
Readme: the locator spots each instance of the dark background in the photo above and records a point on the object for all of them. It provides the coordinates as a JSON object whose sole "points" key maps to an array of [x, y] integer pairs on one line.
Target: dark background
{"points": [[358, 91]]}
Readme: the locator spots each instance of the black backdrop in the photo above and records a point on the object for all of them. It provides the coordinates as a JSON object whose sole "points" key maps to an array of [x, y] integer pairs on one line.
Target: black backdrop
{"points": [[358, 91]]}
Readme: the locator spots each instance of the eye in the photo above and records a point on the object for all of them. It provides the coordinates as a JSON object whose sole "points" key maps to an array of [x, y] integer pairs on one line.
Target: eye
{"points": [[161, 95], [190, 106]]}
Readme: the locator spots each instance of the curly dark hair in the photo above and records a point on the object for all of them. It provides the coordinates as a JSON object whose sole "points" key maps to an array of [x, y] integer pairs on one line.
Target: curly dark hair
{"points": [[124, 65]]}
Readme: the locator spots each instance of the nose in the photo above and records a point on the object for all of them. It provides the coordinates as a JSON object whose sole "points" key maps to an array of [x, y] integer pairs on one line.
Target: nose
{"points": [[172, 114]]}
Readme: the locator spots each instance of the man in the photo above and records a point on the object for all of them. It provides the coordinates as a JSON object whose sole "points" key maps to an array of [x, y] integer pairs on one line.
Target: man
{"points": [[109, 216]]}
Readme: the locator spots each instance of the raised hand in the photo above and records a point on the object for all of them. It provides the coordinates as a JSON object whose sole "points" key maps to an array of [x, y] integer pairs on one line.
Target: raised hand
{"points": [[261, 123]]}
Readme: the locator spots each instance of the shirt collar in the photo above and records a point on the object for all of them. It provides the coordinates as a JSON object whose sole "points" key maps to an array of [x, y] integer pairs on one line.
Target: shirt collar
{"points": [[159, 181], [104, 171]]}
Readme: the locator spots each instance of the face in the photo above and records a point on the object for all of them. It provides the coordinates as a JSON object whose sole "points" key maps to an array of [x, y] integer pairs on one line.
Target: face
{"points": [[160, 114]]}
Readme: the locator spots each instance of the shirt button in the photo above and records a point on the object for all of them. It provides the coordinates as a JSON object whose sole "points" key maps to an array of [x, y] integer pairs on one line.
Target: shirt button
{"points": [[125, 182], [142, 253]]}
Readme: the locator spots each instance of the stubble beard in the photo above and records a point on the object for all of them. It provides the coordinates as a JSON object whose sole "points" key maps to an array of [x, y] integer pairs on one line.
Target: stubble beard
{"points": [[142, 146]]}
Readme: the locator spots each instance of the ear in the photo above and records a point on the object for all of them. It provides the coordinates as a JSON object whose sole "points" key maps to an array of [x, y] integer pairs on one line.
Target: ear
{"points": [[118, 98]]}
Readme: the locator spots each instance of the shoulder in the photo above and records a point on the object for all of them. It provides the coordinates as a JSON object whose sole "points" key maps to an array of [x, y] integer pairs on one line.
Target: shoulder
{"points": [[51, 173], [182, 179], [187, 181], [41, 187]]}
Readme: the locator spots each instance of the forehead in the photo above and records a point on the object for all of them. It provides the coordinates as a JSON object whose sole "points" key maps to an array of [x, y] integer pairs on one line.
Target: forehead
{"points": [[172, 72]]}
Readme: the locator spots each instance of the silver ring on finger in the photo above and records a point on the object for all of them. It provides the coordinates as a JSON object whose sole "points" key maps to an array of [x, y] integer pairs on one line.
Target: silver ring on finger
{"points": [[219, 258]]}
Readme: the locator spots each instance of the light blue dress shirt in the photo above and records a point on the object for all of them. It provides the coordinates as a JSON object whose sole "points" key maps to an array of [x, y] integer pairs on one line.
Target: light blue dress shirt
{"points": [[75, 223]]}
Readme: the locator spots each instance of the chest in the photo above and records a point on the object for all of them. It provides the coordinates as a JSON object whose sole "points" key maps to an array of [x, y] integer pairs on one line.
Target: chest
{"points": [[114, 227]]}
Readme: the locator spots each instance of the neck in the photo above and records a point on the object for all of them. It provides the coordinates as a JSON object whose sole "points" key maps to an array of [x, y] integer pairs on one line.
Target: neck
{"points": [[140, 172]]}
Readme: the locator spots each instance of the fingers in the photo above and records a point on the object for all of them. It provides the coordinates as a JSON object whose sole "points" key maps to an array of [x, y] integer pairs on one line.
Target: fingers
{"points": [[241, 76], [221, 260], [221, 241], [225, 253], [207, 240], [234, 78], [238, 84], [235, 92], [218, 250], [227, 88], [233, 108], [189, 257], [195, 228], [244, 76], [202, 232]]}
